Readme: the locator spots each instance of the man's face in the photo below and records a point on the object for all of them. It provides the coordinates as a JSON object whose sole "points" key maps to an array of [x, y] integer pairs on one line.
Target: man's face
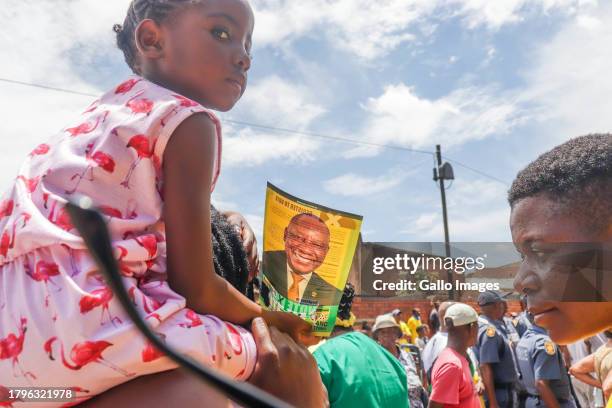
{"points": [[306, 244], [388, 336], [556, 269]]}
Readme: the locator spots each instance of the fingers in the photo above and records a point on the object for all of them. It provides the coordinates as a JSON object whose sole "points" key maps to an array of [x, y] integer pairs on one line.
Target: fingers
{"points": [[262, 337]]}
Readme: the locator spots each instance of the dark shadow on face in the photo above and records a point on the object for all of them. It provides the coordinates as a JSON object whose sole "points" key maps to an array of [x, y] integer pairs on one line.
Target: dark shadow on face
{"points": [[566, 272]]}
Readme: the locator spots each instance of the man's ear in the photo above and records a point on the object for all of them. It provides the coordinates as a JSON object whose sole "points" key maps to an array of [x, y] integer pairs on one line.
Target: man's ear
{"points": [[149, 39]]}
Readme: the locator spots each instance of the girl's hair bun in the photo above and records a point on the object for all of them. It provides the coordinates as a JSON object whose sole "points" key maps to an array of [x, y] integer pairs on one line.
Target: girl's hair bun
{"points": [[117, 28]]}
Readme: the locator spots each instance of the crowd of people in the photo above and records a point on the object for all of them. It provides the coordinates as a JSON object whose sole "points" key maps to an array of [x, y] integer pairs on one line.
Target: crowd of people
{"points": [[491, 359]]}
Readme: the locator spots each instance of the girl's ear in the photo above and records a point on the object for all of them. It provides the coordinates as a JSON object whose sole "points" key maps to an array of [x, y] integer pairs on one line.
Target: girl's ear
{"points": [[149, 39]]}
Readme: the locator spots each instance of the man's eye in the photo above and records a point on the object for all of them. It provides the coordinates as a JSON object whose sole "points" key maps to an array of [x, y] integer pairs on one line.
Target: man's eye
{"points": [[221, 33]]}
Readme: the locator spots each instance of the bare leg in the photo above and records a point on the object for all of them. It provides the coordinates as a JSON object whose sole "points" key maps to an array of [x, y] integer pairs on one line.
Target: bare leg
{"points": [[170, 388]]}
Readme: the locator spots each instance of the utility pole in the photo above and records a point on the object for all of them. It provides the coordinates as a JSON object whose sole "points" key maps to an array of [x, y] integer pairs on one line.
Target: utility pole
{"points": [[441, 173]]}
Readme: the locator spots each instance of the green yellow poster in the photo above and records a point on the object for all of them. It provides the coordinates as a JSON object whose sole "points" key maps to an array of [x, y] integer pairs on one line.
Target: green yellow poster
{"points": [[307, 255]]}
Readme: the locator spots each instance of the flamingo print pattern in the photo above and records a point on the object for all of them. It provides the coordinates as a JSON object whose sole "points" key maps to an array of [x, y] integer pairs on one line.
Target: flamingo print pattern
{"points": [[11, 347], [68, 327], [96, 159]]}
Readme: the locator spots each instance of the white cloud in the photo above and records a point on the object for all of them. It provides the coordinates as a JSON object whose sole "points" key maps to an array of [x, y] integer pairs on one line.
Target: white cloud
{"points": [[354, 185], [364, 27], [276, 102], [279, 102], [401, 117], [248, 148], [570, 79], [40, 39], [477, 211], [371, 28], [494, 14], [44, 33]]}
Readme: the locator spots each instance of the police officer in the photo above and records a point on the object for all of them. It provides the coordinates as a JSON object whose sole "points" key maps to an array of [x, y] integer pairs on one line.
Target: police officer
{"points": [[494, 352], [520, 322], [542, 370]]}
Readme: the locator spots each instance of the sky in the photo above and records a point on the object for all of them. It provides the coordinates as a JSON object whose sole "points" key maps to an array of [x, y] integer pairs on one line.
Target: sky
{"points": [[495, 83]]}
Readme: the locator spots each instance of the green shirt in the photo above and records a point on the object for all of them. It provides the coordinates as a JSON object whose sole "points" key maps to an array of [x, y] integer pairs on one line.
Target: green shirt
{"points": [[358, 372]]}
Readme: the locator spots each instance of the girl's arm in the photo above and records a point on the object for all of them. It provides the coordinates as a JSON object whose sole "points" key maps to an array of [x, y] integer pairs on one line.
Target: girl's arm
{"points": [[582, 371], [188, 168]]}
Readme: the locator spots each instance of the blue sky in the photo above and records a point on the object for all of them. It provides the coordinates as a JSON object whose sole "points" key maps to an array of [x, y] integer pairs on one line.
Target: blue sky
{"points": [[494, 82]]}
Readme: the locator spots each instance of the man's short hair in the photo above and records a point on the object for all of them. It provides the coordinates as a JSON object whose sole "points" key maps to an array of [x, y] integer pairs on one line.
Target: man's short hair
{"points": [[577, 174], [295, 218]]}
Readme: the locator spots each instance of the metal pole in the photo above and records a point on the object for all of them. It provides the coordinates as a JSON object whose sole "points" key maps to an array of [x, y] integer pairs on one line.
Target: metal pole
{"points": [[449, 275]]}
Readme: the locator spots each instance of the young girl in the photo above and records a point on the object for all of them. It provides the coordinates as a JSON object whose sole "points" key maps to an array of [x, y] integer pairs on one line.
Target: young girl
{"points": [[148, 154]]}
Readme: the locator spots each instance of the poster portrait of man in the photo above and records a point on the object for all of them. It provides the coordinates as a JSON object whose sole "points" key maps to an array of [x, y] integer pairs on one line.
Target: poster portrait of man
{"points": [[292, 271]]}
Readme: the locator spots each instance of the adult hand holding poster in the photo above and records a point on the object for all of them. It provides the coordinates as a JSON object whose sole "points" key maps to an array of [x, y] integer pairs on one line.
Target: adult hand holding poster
{"points": [[308, 250]]}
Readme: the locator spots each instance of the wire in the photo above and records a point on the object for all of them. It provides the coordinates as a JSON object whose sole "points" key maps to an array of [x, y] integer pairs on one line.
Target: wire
{"points": [[278, 129], [337, 138], [477, 171], [51, 88]]}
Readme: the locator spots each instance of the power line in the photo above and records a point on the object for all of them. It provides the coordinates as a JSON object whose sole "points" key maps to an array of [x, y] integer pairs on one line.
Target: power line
{"points": [[477, 171], [279, 129], [337, 138], [50, 88]]}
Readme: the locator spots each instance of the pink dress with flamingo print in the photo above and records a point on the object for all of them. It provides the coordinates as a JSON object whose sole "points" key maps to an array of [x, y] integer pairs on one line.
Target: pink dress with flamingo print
{"points": [[60, 325]]}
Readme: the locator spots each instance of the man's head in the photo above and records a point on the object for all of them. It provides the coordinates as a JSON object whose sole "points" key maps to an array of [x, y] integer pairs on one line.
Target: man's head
{"points": [[462, 323], [442, 312], [561, 217], [416, 312], [492, 304], [306, 243], [435, 305], [386, 331], [397, 315]]}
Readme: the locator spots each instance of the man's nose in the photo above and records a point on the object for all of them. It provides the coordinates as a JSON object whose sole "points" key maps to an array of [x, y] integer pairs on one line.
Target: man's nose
{"points": [[526, 280]]}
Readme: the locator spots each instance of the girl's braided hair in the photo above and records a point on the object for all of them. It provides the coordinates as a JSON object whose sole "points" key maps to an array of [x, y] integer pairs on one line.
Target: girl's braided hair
{"points": [[229, 257], [156, 10]]}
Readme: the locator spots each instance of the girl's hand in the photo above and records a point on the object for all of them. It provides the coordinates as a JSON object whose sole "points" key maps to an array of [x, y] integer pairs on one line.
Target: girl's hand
{"points": [[298, 329], [246, 234]]}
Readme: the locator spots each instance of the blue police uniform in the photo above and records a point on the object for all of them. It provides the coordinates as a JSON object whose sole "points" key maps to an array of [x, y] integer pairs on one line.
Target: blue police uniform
{"points": [[540, 359], [521, 323], [493, 348]]}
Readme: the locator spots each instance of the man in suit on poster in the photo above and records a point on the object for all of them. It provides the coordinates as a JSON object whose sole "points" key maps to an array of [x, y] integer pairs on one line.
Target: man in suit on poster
{"points": [[292, 271]]}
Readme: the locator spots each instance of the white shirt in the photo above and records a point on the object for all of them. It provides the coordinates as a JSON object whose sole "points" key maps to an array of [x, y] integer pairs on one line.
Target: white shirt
{"points": [[433, 348], [302, 285]]}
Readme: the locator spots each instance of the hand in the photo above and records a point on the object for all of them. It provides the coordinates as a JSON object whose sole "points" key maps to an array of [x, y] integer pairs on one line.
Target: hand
{"points": [[480, 388], [297, 328], [247, 236], [286, 369]]}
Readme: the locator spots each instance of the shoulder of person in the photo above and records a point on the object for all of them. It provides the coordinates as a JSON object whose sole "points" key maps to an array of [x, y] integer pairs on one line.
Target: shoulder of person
{"points": [[488, 330], [543, 343], [447, 361]]}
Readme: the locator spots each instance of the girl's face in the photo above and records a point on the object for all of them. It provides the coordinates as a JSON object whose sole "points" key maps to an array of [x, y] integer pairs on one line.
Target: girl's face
{"points": [[206, 51], [558, 274]]}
